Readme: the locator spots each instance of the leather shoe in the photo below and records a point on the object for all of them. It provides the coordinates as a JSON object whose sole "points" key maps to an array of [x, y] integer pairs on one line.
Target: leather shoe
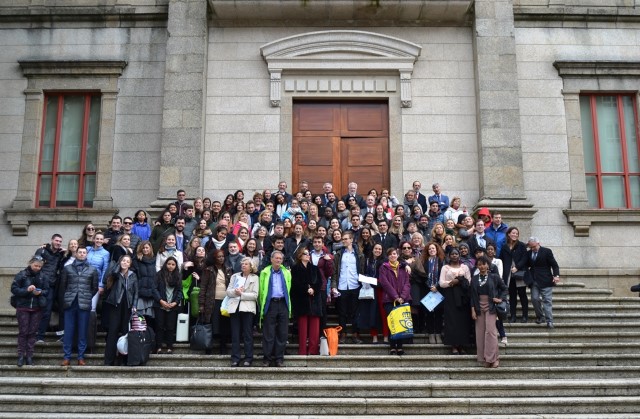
{"points": [[29, 360], [539, 320], [65, 363], [20, 361], [266, 364], [512, 319], [279, 364], [81, 362], [525, 319]]}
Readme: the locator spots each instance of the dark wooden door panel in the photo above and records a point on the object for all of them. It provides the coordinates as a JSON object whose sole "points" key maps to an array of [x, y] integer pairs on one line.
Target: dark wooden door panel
{"points": [[341, 143], [364, 120]]}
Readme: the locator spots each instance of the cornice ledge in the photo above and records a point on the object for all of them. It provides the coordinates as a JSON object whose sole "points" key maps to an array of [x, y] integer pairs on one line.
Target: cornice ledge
{"points": [[581, 219], [21, 218], [597, 68], [72, 67]]}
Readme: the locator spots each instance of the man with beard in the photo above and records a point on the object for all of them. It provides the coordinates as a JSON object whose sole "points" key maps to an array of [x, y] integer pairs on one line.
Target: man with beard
{"points": [[52, 254]]}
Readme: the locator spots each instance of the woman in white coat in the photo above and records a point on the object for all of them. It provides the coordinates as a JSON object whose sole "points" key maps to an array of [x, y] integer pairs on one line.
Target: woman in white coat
{"points": [[243, 294]]}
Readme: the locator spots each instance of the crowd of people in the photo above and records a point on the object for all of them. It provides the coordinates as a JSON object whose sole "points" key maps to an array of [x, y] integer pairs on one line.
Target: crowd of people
{"points": [[278, 256]]}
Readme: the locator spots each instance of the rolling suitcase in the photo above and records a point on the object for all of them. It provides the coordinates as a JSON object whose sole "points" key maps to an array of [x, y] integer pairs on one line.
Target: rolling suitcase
{"points": [[182, 329], [140, 345]]}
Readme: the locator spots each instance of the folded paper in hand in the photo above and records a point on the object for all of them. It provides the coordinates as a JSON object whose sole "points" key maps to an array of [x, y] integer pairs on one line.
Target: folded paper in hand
{"points": [[367, 279], [431, 300]]}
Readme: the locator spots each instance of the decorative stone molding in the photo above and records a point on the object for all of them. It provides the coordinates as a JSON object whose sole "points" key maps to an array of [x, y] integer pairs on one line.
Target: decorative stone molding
{"points": [[20, 219], [342, 52], [579, 76], [64, 75], [582, 219]]}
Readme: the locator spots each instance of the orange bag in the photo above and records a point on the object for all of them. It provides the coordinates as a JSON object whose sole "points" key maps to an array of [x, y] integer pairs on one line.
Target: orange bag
{"points": [[332, 334]]}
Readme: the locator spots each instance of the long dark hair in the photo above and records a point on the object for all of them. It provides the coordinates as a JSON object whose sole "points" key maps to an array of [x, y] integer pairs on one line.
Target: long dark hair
{"points": [[170, 278]]}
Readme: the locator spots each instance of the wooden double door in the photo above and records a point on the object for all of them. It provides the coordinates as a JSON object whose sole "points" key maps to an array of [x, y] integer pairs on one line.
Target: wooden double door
{"points": [[341, 143]]}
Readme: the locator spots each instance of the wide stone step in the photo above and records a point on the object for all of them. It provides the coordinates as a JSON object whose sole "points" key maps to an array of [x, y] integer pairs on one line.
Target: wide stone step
{"points": [[415, 372], [509, 357], [18, 415], [320, 405], [393, 388]]}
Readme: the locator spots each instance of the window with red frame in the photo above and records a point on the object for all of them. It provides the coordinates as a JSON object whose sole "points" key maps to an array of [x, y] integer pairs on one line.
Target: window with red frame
{"points": [[610, 143], [69, 151]]}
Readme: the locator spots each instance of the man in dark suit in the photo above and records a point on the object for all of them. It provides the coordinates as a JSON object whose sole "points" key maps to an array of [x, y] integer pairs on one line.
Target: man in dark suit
{"points": [[352, 190], [479, 239], [545, 273], [421, 198], [384, 238], [442, 200]]}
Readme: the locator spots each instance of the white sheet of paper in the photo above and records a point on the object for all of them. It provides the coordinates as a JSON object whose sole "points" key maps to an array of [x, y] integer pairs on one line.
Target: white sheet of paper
{"points": [[367, 279]]}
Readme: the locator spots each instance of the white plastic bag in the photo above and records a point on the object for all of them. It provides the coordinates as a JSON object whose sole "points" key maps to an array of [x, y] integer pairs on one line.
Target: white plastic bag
{"points": [[324, 346]]}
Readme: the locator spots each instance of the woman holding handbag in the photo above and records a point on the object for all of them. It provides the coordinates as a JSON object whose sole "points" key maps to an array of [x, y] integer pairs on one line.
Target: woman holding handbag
{"points": [[394, 280], [371, 310], [169, 283], [27, 290], [122, 298], [514, 261], [306, 302], [243, 294], [213, 288]]}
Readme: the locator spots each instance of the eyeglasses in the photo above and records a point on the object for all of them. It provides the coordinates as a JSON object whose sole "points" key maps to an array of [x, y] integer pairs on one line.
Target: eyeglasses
{"points": [[406, 248], [128, 223], [38, 258], [305, 253], [90, 228]]}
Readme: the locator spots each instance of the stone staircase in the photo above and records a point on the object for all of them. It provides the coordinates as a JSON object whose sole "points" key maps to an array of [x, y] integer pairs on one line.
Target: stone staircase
{"points": [[588, 366]]}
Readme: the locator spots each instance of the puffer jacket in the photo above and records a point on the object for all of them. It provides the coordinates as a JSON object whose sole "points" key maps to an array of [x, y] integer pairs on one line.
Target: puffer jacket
{"points": [[122, 285], [79, 279], [22, 281], [146, 271]]}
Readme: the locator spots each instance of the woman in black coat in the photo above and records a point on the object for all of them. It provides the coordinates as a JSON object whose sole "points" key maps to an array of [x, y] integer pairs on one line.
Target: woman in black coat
{"points": [[29, 289], [306, 302], [514, 259], [169, 283], [145, 266]]}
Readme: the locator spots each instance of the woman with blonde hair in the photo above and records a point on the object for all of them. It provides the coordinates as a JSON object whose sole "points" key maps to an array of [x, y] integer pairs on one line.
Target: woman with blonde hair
{"points": [[243, 295], [397, 228]]}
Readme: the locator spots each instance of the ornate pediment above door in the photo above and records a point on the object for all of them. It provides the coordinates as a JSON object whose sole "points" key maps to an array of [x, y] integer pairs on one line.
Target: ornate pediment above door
{"points": [[355, 57]]}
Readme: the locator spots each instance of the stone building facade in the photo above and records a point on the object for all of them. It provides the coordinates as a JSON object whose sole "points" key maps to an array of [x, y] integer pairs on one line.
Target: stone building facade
{"points": [[484, 97]]}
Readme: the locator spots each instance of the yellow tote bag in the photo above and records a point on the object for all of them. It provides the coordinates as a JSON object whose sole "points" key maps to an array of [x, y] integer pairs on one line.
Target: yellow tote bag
{"points": [[400, 322]]}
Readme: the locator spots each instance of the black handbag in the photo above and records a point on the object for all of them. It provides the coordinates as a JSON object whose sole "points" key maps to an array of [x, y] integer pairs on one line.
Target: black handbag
{"points": [[503, 310], [201, 336]]}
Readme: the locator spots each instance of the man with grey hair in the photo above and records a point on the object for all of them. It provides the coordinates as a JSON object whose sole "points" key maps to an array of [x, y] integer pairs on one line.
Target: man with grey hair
{"points": [[442, 200], [545, 274], [275, 309], [352, 191]]}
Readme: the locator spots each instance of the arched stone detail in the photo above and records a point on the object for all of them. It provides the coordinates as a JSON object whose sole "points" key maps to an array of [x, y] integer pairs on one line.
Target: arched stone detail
{"points": [[340, 51]]}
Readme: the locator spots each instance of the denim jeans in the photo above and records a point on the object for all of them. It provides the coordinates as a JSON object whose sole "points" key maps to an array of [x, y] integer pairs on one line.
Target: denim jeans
{"points": [[75, 320], [541, 298]]}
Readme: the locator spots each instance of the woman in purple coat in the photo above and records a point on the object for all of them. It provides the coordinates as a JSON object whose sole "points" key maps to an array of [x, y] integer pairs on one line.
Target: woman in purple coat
{"points": [[396, 288]]}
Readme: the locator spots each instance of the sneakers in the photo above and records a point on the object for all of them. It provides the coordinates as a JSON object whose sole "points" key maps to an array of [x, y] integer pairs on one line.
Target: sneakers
{"points": [[503, 341], [20, 361], [432, 339], [539, 320], [550, 325], [39, 341]]}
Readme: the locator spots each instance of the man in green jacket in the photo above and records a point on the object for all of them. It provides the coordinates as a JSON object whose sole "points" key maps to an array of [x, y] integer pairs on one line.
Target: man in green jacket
{"points": [[275, 309]]}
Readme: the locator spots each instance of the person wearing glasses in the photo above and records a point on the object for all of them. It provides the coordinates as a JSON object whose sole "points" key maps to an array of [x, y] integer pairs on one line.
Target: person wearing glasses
{"points": [[306, 302], [134, 239], [347, 265]]}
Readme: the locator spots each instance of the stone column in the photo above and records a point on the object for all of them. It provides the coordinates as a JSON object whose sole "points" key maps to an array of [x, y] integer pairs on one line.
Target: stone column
{"points": [[184, 95], [498, 113]]}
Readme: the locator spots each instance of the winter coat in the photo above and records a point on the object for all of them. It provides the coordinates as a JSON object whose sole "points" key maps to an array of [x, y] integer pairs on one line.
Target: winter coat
{"points": [[99, 259], [247, 301], [206, 299], [52, 264], [26, 299], [392, 286], [146, 272], [302, 304], [79, 280], [122, 286], [176, 295]]}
